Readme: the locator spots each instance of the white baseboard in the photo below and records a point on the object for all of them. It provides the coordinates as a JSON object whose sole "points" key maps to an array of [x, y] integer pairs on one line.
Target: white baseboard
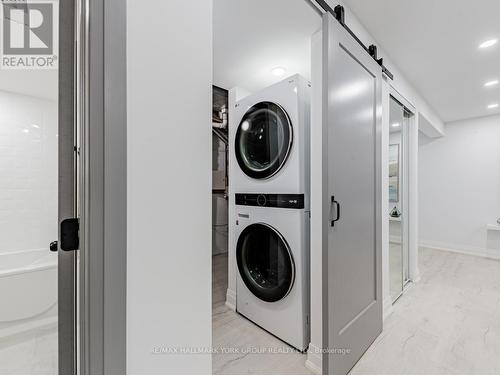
{"points": [[313, 361], [479, 252], [231, 299]]}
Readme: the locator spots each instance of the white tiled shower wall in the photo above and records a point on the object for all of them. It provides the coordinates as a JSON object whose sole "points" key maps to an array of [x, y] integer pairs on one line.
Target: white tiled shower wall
{"points": [[28, 222], [28, 172]]}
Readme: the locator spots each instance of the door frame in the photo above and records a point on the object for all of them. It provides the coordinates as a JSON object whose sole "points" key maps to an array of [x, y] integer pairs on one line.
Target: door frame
{"points": [[411, 176], [67, 261], [403, 198], [92, 105]]}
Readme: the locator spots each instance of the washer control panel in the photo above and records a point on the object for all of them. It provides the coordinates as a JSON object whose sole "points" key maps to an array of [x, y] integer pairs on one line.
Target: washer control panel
{"points": [[271, 200]]}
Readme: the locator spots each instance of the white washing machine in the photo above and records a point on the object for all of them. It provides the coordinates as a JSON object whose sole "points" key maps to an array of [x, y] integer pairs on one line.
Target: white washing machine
{"points": [[269, 140], [272, 256]]}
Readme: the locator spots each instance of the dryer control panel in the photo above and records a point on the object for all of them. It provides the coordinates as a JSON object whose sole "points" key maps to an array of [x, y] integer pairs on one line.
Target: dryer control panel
{"points": [[271, 200]]}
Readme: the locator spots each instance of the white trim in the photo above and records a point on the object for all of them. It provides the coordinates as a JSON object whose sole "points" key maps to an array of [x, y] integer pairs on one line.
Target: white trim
{"points": [[479, 252], [313, 361], [316, 199], [410, 209], [493, 227], [399, 97], [231, 299], [316, 7]]}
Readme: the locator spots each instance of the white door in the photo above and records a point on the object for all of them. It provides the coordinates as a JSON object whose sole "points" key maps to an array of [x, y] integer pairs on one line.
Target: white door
{"points": [[353, 121]]}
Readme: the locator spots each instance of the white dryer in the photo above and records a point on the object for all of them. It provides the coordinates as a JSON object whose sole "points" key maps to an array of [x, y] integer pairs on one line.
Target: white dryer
{"points": [[269, 140], [272, 256]]}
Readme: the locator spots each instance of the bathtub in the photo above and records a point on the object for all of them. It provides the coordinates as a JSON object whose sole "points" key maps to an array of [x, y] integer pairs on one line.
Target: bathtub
{"points": [[28, 291]]}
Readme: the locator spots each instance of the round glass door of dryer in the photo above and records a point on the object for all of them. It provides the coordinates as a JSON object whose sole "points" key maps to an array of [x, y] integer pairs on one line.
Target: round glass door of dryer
{"points": [[265, 262], [263, 140]]}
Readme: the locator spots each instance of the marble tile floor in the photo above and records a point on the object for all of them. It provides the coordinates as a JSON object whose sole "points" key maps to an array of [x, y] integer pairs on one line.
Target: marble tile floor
{"points": [[447, 324], [231, 330]]}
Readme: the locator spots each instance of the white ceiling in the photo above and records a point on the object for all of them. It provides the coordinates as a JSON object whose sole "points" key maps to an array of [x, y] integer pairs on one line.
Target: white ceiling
{"points": [[251, 37], [435, 44]]}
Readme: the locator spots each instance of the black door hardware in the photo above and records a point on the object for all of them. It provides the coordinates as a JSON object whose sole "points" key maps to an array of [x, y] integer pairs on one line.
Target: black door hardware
{"points": [[70, 237], [53, 246], [339, 13], [337, 211]]}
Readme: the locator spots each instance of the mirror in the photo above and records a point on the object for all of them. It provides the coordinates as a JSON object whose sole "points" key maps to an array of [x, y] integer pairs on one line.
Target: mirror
{"points": [[397, 148], [394, 173]]}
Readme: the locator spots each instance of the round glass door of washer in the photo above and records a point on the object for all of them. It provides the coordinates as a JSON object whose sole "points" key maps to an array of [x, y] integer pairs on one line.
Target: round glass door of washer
{"points": [[265, 262], [263, 140]]}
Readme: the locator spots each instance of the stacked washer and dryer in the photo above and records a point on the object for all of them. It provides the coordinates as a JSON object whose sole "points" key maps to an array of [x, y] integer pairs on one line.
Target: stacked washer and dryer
{"points": [[269, 150]]}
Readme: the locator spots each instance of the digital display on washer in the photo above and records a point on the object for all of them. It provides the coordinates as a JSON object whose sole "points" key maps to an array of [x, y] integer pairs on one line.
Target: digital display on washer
{"points": [[271, 200], [263, 140]]}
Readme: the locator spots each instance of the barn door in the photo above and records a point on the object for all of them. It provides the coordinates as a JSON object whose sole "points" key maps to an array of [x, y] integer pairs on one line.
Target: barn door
{"points": [[352, 98]]}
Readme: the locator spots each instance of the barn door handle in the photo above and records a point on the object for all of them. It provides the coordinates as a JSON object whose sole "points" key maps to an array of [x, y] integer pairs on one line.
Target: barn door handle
{"points": [[337, 211]]}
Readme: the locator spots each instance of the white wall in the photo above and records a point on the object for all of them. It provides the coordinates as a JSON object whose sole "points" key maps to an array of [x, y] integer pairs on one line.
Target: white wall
{"points": [[459, 184], [169, 107], [235, 94], [28, 172]]}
